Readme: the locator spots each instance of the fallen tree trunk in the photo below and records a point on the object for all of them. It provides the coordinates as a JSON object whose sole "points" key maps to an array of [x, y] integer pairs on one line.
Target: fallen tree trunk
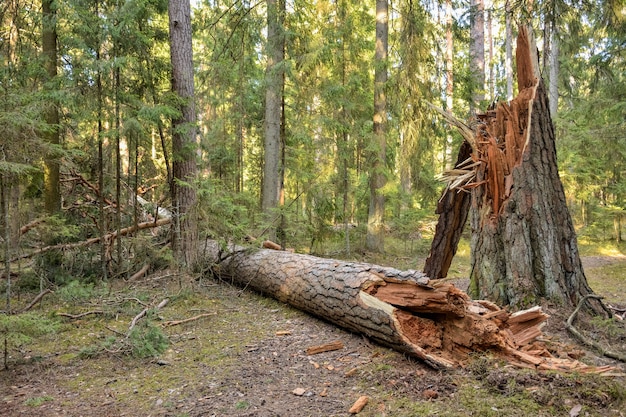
{"points": [[431, 320]]}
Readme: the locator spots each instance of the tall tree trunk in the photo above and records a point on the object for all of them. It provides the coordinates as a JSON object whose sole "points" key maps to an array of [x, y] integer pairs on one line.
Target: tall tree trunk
{"points": [[52, 189], [5, 191], [273, 113], [477, 52], [489, 71], [449, 77], [508, 59], [375, 227], [118, 162], [523, 244], [102, 227], [184, 236]]}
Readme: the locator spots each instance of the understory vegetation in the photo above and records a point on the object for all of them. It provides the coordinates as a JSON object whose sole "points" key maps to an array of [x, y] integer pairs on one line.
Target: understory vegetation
{"points": [[182, 344]]}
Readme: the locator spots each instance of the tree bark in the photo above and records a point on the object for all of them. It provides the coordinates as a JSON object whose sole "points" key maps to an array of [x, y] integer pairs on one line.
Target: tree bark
{"points": [[453, 209], [375, 237], [477, 52], [272, 169], [523, 245], [184, 168], [433, 321], [52, 189]]}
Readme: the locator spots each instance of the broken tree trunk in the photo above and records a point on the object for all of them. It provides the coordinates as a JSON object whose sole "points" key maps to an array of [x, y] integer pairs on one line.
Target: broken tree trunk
{"points": [[452, 208], [523, 245], [433, 321]]}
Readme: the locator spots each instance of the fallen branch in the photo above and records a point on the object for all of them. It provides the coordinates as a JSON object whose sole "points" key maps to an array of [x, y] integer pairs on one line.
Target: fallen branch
{"points": [[76, 177], [140, 273], [190, 319], [585, 340], [36, 300], [78, 316], [30, 225], [91, 241], [143, 313]]}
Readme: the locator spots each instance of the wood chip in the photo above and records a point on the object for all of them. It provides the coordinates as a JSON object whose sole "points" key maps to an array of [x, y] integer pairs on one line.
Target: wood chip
{"points": [[327, 347], [283, 333], [359, 404]]}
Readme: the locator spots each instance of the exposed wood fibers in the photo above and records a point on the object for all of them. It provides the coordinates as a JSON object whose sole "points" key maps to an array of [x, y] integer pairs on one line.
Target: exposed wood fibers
{"points": [[444, 323]]}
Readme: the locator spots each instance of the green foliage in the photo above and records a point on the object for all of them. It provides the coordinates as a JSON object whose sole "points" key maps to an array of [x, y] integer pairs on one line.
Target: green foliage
{"points": [[38, 401], [20, 329], [147, 340], [79, 292], [225, 215]]}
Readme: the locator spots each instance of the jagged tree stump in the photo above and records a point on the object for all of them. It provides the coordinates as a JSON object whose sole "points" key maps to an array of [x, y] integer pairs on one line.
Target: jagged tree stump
{"points": [[523, 243]]}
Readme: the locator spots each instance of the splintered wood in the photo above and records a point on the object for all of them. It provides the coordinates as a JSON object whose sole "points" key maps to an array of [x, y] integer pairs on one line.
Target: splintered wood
{"points": [[445, 325], [327, 347], [500, 137]]}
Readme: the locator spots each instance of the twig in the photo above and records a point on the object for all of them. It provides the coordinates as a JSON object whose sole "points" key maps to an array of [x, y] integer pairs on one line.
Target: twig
{"points": [[36, 299], [177, 322], [143, 313], [585, 340], [77, 316]]}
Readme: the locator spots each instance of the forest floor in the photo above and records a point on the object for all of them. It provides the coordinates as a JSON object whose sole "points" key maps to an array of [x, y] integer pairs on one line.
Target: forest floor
{"points": [[245, 355]]}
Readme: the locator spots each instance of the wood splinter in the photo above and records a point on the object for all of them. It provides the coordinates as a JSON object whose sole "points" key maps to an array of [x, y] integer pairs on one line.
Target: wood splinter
{"points": [[359, 404], [327, 347]]}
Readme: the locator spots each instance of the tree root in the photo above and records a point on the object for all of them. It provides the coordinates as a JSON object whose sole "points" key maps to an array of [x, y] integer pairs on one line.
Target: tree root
{"points": [[586, 341]]}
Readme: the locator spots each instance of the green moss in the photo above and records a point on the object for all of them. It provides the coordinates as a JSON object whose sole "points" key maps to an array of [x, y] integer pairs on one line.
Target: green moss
{"points": [[38, 401]]}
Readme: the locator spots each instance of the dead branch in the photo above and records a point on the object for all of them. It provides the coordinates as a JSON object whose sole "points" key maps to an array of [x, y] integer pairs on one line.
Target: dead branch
{"points": [[108, 237], [36, 299], [78, 316], [76, 177], [30, 225], [268, 244], [143, 313], [190, 319], [585, 340], [140, 273]]}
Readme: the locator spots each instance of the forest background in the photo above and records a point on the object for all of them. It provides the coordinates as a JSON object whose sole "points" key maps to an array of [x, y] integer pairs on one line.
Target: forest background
{"points": [[90, 129], [99, 116]]}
